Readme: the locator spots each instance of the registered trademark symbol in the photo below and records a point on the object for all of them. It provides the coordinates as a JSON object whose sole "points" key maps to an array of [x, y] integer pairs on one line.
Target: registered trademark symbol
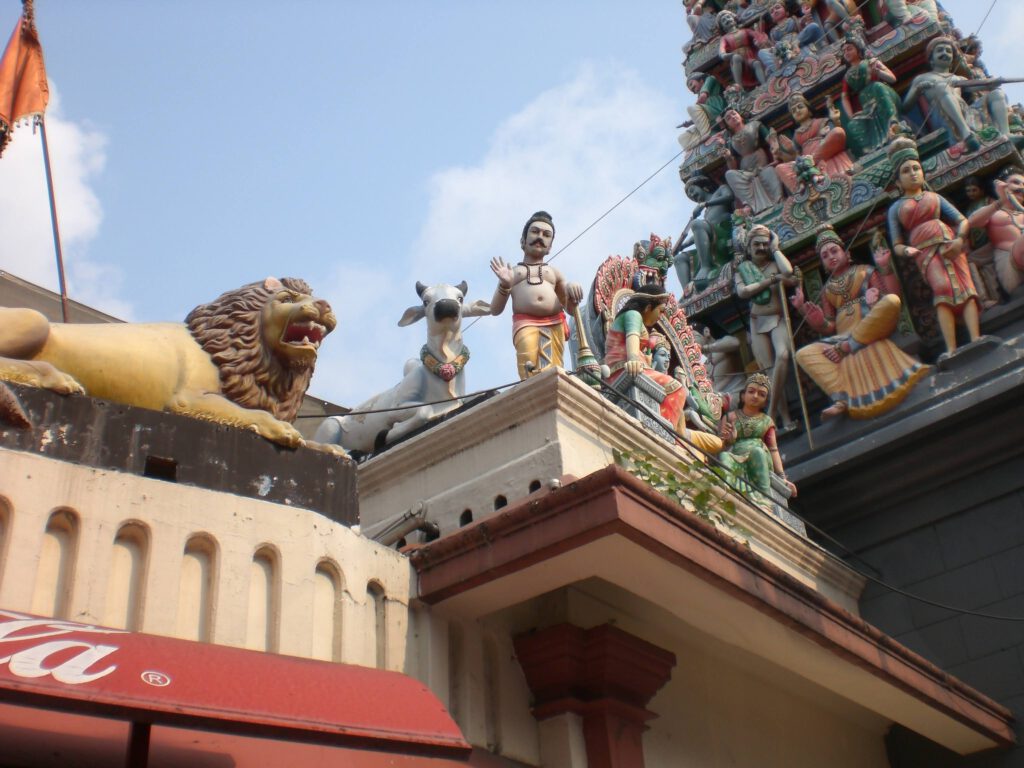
{"points": [[159, 679]]}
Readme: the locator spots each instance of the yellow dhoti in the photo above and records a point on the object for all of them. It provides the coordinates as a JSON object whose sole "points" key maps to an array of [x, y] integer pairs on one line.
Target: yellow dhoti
{"points": [[539, 342]]}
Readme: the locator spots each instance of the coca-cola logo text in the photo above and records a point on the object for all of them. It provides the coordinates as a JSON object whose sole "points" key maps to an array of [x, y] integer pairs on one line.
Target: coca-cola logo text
{"points": [[30, 648]]}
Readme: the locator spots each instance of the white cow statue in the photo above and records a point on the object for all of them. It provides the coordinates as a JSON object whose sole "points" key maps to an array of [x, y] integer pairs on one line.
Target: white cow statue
{"points": [[437, 375]]}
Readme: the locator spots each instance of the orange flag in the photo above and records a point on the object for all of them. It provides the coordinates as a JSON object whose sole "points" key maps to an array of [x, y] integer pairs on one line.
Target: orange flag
{"points": [[23, 89]]}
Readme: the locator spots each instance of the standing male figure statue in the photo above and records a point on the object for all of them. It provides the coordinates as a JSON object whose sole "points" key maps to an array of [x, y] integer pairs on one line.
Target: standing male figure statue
{"points": [[540, 298], [941, 90], [757, 279]]}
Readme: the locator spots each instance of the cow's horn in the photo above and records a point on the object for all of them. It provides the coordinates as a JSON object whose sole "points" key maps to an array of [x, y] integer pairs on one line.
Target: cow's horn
{"points": [[420, 288], [463, 287]]}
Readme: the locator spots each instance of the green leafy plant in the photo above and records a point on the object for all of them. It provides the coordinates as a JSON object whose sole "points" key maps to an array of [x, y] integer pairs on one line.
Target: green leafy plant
{"points": [[693, 486]]}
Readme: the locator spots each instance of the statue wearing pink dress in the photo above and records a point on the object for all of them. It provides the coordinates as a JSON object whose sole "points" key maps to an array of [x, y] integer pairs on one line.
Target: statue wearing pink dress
{"points": [[818, 137], [926, 227]]}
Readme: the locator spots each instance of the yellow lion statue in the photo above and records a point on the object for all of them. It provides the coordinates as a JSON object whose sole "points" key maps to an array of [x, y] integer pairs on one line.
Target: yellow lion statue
{"points": [[244, 359]]}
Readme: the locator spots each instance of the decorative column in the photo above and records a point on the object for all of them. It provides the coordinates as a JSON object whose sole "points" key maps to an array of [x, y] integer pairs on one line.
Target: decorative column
{"points": [[604, 675]]}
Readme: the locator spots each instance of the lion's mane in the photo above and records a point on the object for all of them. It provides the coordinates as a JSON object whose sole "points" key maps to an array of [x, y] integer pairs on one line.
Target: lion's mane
{"points": [[230, 331]]}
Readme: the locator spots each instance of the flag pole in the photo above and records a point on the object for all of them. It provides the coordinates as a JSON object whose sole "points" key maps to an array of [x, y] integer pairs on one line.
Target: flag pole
{"points": [[53, 221], [29, 12]]}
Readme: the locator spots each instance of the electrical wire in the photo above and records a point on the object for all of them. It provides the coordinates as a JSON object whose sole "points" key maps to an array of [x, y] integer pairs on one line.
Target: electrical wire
{"points": [[635, 189], [683, 440], [488, 391], [985, 17], [874, 204], [597, 221], [739, 491]]}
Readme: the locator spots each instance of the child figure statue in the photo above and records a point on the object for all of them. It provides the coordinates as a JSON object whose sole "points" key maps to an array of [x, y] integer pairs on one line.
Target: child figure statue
{"points": [[749, 435]]}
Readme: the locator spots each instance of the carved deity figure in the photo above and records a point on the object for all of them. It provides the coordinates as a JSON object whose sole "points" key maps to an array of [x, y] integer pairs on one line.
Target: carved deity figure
{"points": [[702, 19], [977, 198], [1003, 221], [749, 436], [988, 103], [739, 48], [841, 14], [940, 91], [747, 11], [658, 353], [652, 260], [902, 11], [818, 137], [861, 370], [540, 298], [787, 29], [705, 113], [724, 362], [742, 221], [1017, 120], [755, 182], [925, 227], [979, 257], [869, 103], [757, 279], [627, 341], [710, 234]]}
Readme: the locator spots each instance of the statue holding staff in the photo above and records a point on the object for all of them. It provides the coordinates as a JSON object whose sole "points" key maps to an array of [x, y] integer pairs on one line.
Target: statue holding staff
{"points": [[756, 279], [941, 88]]}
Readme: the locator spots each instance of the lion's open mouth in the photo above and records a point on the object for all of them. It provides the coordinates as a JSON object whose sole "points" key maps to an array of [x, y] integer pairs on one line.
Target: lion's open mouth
{"points": [[304, 334]]}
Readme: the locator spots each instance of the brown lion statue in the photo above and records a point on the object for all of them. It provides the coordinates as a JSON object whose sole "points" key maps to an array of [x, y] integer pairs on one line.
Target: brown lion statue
{"points": [[244, 359]]}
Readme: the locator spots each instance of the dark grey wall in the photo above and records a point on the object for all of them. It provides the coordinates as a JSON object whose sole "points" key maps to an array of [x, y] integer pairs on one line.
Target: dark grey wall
{"points": [[971, 557], [938, 512]]}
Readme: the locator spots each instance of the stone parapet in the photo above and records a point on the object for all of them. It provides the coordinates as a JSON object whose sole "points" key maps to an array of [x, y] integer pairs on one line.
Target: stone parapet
{"points": [[530, 437]]}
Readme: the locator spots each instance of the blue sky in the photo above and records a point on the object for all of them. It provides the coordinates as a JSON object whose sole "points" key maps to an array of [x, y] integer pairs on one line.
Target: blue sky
{"points": [[362, 146]]}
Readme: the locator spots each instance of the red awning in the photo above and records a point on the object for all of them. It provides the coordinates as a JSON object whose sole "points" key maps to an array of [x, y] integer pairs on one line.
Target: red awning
{"points": [[262, 709]]}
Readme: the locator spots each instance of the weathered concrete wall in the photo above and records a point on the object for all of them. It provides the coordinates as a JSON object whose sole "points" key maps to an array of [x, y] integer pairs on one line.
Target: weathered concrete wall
{"points": [[93, 545], [166, 446]]}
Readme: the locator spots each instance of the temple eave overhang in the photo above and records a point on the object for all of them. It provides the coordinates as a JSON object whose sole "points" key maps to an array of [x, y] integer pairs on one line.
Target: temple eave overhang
{"points": [[613, 527]]}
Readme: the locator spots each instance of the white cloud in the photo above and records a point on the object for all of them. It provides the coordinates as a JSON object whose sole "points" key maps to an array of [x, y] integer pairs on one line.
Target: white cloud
{"points": [[77, 157], [575, 150]]}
